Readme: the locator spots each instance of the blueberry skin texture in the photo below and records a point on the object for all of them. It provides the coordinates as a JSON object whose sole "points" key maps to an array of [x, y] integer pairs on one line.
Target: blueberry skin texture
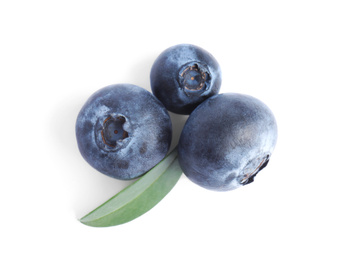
{"points": [[183, 76], [123, 131], [226, 141]]}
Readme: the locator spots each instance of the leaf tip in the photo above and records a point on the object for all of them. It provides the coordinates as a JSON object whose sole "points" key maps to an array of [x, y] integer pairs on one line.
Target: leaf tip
{"points": [[84, 221]]}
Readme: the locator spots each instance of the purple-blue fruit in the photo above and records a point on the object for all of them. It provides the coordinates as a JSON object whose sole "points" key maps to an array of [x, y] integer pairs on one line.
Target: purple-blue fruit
{"points": [[226, 141], [123, 131], [183, 76]]}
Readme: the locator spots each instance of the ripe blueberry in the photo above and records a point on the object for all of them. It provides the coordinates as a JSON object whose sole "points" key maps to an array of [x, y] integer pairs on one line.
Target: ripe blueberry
{"points": [[123, 131], [226, 141], [183, 76]]}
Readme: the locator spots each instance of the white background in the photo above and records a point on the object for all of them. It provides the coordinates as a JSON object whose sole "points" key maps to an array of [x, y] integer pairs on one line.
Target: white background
{"points": [[298, 57]]}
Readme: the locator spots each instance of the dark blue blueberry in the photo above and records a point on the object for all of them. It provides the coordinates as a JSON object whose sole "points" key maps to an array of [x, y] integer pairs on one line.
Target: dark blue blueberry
{"points": [[183, 76], [226, 141], [123, 131]]}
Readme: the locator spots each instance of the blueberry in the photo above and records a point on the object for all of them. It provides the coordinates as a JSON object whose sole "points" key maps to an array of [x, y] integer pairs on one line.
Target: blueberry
{"points": [[226, 141], [183, 76], [123, 131]]}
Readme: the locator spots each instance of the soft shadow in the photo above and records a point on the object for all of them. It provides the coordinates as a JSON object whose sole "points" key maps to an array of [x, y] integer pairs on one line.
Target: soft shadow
{"points": [[140, 73], [178, 122]]}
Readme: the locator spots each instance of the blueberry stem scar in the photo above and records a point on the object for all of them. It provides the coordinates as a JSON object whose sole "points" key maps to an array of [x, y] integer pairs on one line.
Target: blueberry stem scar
{"points": [[194, 78], [112, 127], [250, 176]]}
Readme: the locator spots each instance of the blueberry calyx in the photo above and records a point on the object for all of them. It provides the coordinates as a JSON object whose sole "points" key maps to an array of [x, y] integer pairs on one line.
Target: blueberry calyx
{"points": [[194, 78], [249, 177], [112, 132]]}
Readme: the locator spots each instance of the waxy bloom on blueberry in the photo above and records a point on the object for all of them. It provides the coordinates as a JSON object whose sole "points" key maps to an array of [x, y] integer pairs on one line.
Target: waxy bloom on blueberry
{"points": [[183, 76], [226, 141], [123, 131]]}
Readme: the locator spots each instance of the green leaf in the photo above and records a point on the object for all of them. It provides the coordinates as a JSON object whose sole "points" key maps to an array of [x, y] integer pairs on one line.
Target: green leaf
{"points": [[139, 197]]}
